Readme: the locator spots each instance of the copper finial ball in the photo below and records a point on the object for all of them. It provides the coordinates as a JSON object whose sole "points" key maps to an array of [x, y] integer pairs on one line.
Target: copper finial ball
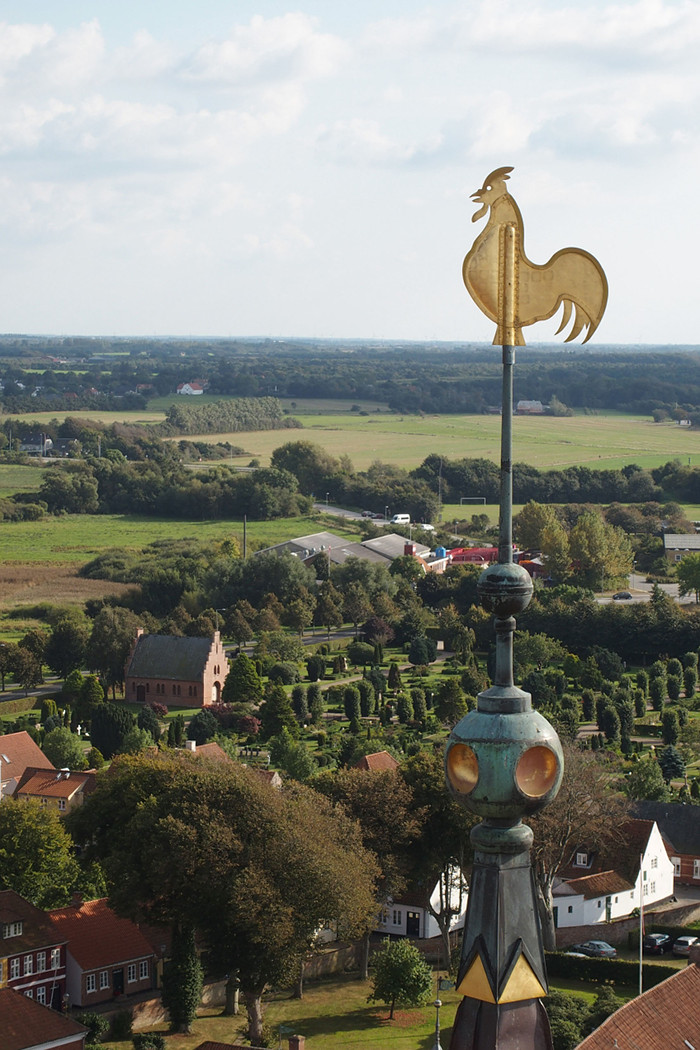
{"points": [[505, 589]]}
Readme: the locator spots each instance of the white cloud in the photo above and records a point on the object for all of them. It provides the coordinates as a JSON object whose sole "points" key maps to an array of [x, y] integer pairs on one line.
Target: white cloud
{"points": [[284, 48]]}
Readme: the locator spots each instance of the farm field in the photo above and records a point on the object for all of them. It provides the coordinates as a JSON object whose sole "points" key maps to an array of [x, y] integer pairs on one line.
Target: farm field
{"points": [[606, 439], [76, 538], [601, 441]]}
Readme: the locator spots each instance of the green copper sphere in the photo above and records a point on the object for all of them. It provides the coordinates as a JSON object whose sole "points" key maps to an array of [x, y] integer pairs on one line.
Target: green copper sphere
{"points": [[505, 590]]}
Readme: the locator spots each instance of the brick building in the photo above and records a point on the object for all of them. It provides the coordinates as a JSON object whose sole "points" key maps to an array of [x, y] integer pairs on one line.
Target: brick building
{"points": [[178, 672]]}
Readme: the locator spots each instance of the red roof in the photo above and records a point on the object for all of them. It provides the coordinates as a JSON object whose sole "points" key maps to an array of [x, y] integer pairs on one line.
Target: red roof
{"points": [[599, 884], [97, 937], [17, 751], [37, 930], [667, 1017], [379, 760], [52, 783], [24, 1023]]}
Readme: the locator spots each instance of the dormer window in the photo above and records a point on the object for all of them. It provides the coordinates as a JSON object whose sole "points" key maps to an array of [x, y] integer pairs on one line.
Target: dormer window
{"points": [[581, 860], [12, 929]]}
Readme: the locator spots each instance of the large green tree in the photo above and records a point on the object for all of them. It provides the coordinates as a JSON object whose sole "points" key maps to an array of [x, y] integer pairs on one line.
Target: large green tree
{"points": [[243, 684], [36, 853], [64, 749], [112, 635], [688, 575], [277, 865]]}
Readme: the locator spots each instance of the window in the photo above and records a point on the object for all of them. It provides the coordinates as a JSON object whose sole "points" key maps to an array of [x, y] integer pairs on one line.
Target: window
{"points": [[677, 557], [645, 890], [143, 970], [173, 689], [652, 887], [600, 904], [616, 899], [676, 861], [12, 929], [61, 803], [29, 964], [90, 983], [104, 979], [131, 973], [581, 860], [696, 869], [195, 690], [14, 968], [44, 801], [41, 995], [55, 958], [190, 690], [571, 908], [396, 918], [654, 862], [40, 962], [29, 994]]}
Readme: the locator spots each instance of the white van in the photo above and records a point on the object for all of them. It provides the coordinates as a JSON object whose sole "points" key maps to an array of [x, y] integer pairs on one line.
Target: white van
{"points": [[401, 519]]}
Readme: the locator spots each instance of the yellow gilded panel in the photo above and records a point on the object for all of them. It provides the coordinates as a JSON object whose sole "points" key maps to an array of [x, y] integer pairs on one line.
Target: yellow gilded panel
{"points": [[475, 984], [522, 984]]}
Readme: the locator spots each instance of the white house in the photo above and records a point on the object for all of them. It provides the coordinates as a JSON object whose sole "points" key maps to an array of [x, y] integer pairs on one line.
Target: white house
{"points": [[586, 895], [190, 388], [410, 916]]}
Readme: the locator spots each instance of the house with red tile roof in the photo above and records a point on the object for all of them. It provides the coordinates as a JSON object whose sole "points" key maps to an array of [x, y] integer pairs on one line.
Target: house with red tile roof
{"points": [[599, 887], [32, 952], [107, 956], [26, 1025], [56, 788], [17, 752], [379, 760], [667, 1017]]}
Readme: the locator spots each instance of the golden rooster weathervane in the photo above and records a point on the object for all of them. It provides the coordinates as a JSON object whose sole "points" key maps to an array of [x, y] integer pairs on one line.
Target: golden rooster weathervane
{"points": [[515, 292]]}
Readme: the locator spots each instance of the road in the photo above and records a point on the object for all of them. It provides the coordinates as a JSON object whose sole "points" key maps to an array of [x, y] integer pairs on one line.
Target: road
{"points": [[641, 591]]}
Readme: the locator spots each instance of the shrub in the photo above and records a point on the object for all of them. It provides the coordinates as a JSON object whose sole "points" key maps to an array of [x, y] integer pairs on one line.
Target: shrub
{"points": [[96, 1024], [148, 1041], [285, 672]]}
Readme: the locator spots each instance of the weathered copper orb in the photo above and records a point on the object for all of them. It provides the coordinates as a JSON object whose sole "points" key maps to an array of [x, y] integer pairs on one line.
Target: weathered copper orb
{"points": [[505, 590], [503, 766]]}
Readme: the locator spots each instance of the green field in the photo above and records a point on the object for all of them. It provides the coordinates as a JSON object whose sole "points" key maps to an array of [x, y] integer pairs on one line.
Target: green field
{"points": [[76, 538], [607, 439], [601, 441]]}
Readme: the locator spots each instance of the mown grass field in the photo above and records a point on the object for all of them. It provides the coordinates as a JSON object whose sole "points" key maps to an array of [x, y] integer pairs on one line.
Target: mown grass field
{"points": [[606, 439]]}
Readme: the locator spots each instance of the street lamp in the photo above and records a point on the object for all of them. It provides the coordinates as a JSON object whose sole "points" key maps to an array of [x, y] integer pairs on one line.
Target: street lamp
{"points": [[326, 499], [386, 514]]}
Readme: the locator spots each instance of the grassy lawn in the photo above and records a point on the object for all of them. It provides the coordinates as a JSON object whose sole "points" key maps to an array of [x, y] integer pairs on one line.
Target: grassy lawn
{"points": [[334, 1014]]}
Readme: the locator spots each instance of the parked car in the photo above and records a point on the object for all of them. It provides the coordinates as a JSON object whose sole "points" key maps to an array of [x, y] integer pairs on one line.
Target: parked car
{"points": [[427, 527], [599, 949], [622, 596], [369, 514], [683, 945], [656, 943]]}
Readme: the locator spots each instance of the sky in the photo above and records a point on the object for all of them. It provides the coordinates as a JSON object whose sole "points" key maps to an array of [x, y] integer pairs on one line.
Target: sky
{"points": [[303, 169]]}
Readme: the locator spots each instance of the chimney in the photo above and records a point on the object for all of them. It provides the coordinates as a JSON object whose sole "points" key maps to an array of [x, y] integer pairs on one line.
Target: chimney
{"points": [[409, 549], [190, 745]]}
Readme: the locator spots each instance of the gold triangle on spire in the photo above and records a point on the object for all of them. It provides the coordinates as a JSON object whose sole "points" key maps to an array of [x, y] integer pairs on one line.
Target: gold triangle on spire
{"points": [[522, 984], [475, 984]]}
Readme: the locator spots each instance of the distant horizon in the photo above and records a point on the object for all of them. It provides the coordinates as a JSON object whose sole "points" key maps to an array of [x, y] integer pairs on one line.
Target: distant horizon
{"points": [[569, 348]]}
